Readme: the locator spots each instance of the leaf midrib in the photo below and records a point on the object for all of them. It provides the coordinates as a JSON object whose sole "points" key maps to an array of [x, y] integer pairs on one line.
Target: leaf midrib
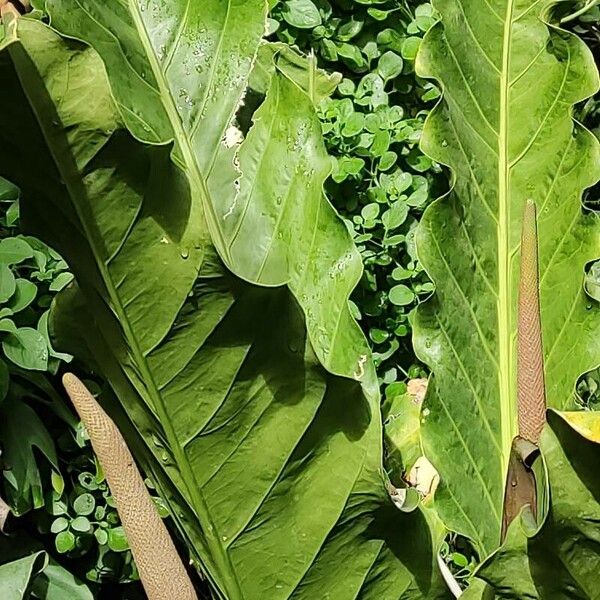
{"points": [[66, 165], [183, 143], [508, 416], [220, 555]]}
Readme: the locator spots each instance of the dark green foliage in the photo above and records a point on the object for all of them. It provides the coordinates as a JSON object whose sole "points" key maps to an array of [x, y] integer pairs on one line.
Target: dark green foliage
{"points": [[62, 496], [80, 518], [30, 274], [381, 182]]}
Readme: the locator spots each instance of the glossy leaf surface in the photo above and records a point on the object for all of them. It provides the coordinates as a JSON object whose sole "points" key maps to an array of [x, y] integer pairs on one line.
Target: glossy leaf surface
{"points": [[504, 127], [179, 72], [270, 464], [561, 560]]}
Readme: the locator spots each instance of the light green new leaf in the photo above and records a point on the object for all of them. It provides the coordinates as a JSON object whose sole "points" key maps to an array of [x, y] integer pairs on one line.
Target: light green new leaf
{"points": [[179, 72], [271, 465], [505, 129], [561, 560]]}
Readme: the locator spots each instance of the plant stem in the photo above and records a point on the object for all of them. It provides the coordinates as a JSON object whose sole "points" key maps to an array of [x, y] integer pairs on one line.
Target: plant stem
{"points": [[580, 12]]}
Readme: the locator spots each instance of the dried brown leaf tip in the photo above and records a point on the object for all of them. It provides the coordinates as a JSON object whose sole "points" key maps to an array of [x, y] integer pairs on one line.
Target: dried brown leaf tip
{"points": [[161, 570]]}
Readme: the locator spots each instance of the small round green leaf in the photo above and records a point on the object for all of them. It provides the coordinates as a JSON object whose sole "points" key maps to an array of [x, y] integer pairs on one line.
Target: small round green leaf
{"points": [[84, 504], [378, 336], [396, 215], [388, 160], [410, 47], [81, 524], [401, 295], [400, 274], [58, 507], [370, 211], [161, 507], [58, 483], [302, 14], [61, 281], [64, 542], [59, 525], [101, 536], [592, 281], [88, 480], [459, 559], [354, 124], [390, 65], [117, 541], [8, 190]]}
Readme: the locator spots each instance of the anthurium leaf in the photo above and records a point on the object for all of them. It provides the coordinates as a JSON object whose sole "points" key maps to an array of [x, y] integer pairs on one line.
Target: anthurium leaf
{"points": [[191, 86], [562, 559], [296, 235], [318, 84], [505, 129], [218, 376], [402, 428], [184, 87], [22, 432]]}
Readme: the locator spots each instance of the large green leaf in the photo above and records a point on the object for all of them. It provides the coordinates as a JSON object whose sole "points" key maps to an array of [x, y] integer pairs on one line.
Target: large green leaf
{"points": [[178, 71], [505, 129], [562, 559], [271, 464], [26, 571]]}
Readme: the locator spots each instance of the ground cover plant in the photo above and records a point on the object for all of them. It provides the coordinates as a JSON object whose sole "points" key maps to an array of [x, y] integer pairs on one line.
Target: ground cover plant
{"points": [[180, 171], [381, 181], [51, 482]]}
